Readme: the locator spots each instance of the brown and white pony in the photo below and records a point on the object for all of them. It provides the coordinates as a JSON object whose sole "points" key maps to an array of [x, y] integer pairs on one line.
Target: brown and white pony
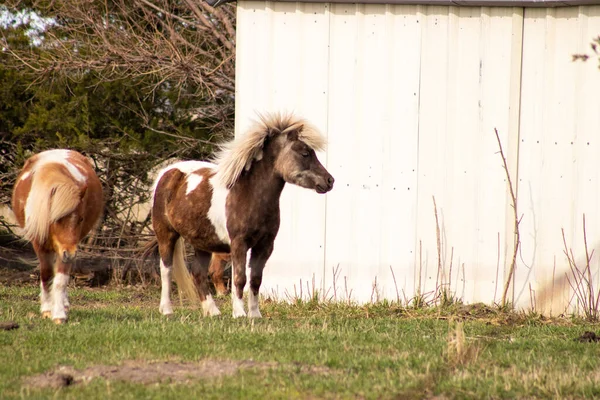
{"points": [[57, 199], [232, 206], [216, 272]]}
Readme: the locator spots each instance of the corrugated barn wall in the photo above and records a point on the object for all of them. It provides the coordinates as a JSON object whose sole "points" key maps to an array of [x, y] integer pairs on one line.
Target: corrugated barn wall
{"points": [[409, 97]]}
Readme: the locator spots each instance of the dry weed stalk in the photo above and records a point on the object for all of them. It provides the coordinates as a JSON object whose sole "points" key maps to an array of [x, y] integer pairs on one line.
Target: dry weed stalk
{"points": [[374, 292], [418, 292], [395, 285], [442, 292], [458, 351], [517, 221], [439, 274], [588, 296]]}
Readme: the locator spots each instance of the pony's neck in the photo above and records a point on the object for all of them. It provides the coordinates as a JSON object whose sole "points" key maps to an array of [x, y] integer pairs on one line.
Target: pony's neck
{"points": [[261, 186]]}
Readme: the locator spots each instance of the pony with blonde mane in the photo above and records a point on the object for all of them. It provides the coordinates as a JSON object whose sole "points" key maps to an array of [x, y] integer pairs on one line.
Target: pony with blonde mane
{"points": [[57, 199], [232, 206]]}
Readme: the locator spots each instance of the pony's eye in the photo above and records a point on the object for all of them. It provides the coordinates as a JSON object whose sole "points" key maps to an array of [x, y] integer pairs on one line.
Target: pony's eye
{"points": [[305, 154]]}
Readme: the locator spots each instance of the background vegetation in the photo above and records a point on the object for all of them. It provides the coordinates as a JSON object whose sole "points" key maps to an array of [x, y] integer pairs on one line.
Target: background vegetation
{"points": [[128, 83]]}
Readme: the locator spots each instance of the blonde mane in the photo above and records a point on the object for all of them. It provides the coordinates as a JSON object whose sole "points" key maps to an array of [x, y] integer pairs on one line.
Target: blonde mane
{"points": [[238, 154], [53, 195]]}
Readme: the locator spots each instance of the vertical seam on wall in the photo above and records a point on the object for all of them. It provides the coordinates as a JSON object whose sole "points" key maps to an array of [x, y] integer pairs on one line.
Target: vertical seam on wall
{"points": [[328, 10], [518, 128], [416, 230]]}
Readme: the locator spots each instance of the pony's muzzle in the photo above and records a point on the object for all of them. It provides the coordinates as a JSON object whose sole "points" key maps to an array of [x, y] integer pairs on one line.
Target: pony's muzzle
{"points": [[69, 256], [330, 182], [326, 185]]}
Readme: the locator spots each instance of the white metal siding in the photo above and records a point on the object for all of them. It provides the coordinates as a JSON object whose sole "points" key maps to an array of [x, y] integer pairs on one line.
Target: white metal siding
{"points": [[558, 152], [409, 97]]}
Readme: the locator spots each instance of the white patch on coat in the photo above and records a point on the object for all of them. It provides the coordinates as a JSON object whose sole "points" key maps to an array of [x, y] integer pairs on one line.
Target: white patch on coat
{"points": [[236, 303], [193, 180], [253, 311], [59, 289], [187, 167], [45, 299], [59, 157], [209, 307], [165, 307], [217, 214]]}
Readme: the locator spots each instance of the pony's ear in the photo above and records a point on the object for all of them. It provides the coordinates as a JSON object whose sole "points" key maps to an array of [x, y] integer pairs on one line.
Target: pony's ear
{"points": [[293, 135], [272, 131], [82, 192]]}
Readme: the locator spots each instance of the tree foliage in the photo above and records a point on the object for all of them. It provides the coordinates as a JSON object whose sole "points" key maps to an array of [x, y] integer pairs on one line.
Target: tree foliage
{"points": [[128, 83]]}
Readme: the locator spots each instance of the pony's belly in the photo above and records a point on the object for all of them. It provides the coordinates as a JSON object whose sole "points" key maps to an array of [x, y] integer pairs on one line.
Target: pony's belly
{"points": [[200, 233], [205, 240], [211, 247]]}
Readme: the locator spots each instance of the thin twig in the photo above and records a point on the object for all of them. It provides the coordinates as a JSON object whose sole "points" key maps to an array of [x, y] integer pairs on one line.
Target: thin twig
{"points": [[517, 235]]}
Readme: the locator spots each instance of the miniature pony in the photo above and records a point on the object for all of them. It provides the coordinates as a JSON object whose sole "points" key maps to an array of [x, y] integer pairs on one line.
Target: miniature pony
{"points": [[57, 199], [232, 206]]}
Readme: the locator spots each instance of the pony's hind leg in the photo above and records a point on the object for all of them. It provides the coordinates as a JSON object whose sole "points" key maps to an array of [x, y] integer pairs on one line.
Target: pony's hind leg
{"points": [[46, 275], [166, 249], [59, 291], [200, 273], [258, 258]]}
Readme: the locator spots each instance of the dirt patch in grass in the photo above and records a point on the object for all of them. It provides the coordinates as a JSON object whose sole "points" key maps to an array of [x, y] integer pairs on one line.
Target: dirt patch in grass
{"points": [[143, 372]]}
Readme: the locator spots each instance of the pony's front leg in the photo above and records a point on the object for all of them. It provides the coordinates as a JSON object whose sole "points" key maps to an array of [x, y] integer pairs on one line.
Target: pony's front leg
{"points": [[258, 258], [59, 291], [239, 250], [46, 274]]}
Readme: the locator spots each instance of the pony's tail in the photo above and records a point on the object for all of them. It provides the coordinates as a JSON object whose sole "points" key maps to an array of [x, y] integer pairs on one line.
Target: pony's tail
{"points": [[37, 223], [183, 278], [47, 205]]}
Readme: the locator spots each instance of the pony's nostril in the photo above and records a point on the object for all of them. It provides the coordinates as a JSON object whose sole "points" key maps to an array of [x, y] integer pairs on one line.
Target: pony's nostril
{"points": [[68, 257], [330, 180]]}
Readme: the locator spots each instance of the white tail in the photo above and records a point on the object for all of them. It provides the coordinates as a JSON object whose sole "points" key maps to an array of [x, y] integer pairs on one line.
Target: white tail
{"points": [[49, 200], [183, 278]]}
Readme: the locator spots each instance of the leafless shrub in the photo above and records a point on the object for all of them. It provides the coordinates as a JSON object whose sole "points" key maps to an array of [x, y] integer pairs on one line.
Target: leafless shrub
{"points": [[580, 279], [517, 221]]}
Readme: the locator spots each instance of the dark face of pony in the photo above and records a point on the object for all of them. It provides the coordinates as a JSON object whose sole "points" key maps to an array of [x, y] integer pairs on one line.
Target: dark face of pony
{"points": [[298, 164], [67, 231]]}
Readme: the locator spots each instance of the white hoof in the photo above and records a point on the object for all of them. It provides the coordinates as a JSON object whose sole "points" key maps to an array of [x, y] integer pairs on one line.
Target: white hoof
{"points": [[253, 311], [209, 308], [254, 314], [238, 308], [165, 309], [59, 315]]}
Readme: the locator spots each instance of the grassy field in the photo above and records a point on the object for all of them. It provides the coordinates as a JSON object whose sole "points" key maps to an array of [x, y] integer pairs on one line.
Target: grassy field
{"points": [[116, 345]]}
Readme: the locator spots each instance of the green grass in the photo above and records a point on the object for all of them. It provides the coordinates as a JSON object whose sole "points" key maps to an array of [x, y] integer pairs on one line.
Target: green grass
{"points": [[306, 349]]}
